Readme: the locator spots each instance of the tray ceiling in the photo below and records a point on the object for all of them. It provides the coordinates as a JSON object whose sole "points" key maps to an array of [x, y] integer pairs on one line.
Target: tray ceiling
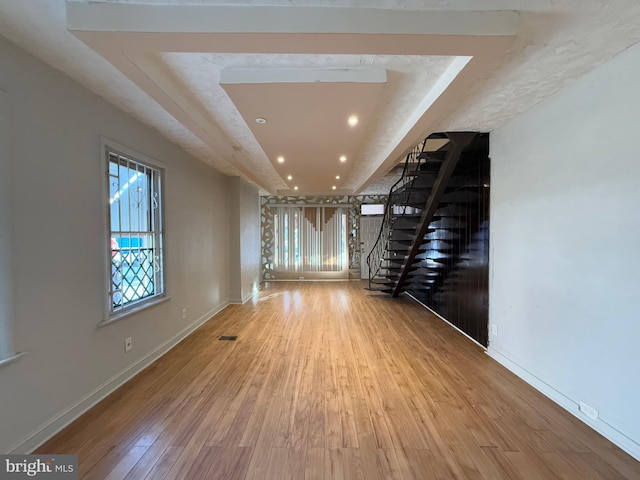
{"points": [[448, 64]]}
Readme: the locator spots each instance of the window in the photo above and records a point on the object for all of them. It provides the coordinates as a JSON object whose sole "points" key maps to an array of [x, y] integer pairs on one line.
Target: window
{"points": [[136, 233], [6, 263], [310, 239], [6, 311], [372, 209]]}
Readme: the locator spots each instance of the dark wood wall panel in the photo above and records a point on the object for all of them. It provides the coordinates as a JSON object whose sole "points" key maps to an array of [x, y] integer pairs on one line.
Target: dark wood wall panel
{"points": [[455, 261]]}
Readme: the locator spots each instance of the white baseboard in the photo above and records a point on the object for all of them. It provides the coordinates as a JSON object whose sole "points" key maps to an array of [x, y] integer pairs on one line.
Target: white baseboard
{"points": [[311, 280], [59, 421], [247, 297], [611, 433], [241, 301]]}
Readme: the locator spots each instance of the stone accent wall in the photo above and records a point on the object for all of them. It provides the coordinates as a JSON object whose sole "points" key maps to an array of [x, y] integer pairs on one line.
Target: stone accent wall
{"points": [[353, 202]]}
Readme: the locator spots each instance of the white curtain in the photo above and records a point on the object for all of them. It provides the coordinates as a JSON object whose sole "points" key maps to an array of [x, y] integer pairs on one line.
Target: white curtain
{"points": [[310, 239]]}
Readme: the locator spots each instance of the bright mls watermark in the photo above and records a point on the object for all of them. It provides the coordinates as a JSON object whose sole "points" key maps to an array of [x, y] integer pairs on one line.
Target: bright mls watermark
{"points": [[51, 467]]}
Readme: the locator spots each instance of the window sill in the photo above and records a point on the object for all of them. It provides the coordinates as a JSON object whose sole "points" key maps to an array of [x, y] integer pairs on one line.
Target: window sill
{"points": [[133, 310], [6, 361]]}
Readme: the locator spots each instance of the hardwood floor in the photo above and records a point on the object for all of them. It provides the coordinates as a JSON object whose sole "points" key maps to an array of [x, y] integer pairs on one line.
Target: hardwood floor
{"points": [[329, 381]]}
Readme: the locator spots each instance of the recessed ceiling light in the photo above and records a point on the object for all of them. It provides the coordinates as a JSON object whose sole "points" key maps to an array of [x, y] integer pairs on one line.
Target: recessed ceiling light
{"points": [[337, 177], [295, 188], [353, 120], [343, 158], [280, 159], [334, 187], [261, 120], [289, 177]]}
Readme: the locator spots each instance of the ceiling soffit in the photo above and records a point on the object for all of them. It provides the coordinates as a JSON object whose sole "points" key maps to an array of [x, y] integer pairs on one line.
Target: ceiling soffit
{"points": [[148, 42], [300, 119]]}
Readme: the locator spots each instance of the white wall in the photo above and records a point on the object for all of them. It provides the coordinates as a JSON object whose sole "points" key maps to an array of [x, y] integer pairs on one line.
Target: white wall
{"points": [[59, 243], [249, 238], [565, 241], [244, 233]]}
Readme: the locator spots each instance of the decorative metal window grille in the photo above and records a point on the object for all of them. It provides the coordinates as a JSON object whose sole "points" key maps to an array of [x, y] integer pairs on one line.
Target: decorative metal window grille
{"points": [[136, 232]]}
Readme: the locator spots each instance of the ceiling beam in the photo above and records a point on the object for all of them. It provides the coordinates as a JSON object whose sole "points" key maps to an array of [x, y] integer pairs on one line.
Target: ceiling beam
{"points": [[127, 17]]}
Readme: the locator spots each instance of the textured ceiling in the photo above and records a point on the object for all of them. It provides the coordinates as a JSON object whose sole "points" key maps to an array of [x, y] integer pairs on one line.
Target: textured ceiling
{"points": [[408, 77], [557, 42], [444, 53]]}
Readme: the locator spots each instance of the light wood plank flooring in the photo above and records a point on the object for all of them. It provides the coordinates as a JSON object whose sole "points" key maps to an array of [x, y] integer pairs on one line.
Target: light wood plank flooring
{"points": [[329, 381]]}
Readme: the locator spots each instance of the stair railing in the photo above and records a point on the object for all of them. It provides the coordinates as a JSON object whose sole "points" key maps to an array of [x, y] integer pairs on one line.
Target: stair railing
{"points": [[458, 142], [398, 196]]}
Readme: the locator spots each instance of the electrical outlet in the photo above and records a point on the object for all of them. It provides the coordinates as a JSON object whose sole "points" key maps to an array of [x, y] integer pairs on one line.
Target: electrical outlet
{"points": [[494, 329], [588, 410], [184, 313], [128, 344]]}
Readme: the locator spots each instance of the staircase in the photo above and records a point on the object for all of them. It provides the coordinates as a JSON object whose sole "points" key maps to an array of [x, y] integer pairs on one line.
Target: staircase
{"points": [[424, 212]]}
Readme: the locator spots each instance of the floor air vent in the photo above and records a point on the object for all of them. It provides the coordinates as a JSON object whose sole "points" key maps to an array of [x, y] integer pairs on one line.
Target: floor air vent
{"points": [[229, 338]]}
